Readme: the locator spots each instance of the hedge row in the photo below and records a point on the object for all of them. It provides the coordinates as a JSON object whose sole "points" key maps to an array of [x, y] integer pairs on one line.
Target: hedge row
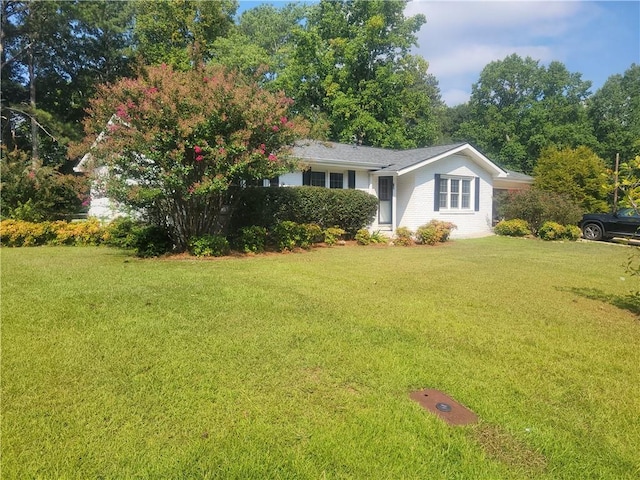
{"points": [[518, 227], [350, 210], [151, 241], [146, 240], [18, 233]]}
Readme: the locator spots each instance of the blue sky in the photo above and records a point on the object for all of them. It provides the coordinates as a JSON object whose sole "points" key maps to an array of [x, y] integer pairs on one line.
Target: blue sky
{"points": [[595, 38]]}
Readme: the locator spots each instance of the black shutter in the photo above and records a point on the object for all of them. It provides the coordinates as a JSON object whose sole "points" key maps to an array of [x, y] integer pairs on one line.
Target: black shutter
{"points": [[274, 182], [436, 193], [477, 195], [352, 178], [306, 177]]}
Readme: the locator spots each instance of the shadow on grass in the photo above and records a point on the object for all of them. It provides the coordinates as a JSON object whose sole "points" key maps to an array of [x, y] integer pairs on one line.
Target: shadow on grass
{"points": [[629, 302]]}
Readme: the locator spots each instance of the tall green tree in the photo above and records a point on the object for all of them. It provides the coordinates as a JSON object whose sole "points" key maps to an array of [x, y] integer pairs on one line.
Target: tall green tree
{"points": [[260, 43], [180, 33], [575, 172], [53, 53], [518, 107], [614, 111], [351, 66]]}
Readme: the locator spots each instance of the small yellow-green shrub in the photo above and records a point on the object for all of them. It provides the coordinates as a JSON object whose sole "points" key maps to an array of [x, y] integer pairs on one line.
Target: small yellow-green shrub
{"points": [[556, 231], [19, 233], [434, 232], [512, 228], [87, 232], [403, 237]]}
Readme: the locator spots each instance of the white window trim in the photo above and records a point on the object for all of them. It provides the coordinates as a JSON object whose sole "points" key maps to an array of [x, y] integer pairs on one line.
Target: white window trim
{"points": [[459, 208]]}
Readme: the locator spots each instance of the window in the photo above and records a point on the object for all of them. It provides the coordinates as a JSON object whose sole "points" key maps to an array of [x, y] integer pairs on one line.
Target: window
{"points": [[352, 178], [318, 179], [335, 180], [454, 193], [314, 179], [385, 197]]}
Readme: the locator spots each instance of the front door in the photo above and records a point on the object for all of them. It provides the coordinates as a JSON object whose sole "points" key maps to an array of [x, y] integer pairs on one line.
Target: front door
{"points": [[385, 197]]}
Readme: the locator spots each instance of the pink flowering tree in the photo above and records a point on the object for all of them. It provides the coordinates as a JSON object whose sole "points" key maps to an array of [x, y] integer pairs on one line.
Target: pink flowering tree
{"points": [[179, 144]]}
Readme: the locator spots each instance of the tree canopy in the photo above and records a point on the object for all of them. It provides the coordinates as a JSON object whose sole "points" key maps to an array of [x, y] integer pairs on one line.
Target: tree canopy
{"points": [[519, 107], [615, 113], [351, 65], [577, 173]]}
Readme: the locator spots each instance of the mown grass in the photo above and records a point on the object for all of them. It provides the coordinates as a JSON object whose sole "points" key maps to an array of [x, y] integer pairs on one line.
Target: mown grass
{"points": [[301, 365]]}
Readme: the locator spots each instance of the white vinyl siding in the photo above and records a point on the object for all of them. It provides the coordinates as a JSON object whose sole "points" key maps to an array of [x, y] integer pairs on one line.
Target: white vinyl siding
{"points": [[417, 190]]}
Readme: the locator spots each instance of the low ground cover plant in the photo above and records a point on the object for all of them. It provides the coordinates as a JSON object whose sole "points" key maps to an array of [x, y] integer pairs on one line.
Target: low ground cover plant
{"points": [[209, 246], [365, 237]]}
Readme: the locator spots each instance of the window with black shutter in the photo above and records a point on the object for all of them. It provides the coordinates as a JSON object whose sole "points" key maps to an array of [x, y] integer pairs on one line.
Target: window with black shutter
{"points": [[351, 179]]}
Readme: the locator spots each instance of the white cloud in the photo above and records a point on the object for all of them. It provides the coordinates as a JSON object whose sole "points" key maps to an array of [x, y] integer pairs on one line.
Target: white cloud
{"points": [[461, 37], [454, 96], [473, 58]]}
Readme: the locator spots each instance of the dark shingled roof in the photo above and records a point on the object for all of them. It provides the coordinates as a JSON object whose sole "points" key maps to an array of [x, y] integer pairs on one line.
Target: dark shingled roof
{"points": [[376, 158], [380, 159], [407, 158]]}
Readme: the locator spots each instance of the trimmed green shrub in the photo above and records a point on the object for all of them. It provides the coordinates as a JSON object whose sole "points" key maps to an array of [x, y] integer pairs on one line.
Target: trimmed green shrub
{"points": [[512, 228], [19, 233], [252, 239], [363, 237], [436, 231], [209, 246], [146, 240], [151, 241], [288, 235], [555, 231], [120, 233], [332, 235], [403, 237], [551, 231], [350, 210], [572, 232]]}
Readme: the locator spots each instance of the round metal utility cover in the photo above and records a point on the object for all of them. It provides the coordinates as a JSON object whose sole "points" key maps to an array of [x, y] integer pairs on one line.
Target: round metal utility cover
{"points": [[444, 406]]}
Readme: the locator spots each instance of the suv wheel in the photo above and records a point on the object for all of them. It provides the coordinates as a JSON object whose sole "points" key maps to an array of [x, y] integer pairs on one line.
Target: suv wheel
{"points": [[592, 231]]}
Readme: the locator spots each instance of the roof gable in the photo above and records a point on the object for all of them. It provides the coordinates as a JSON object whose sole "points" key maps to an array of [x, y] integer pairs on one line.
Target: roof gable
{"points": [[384, 160]]}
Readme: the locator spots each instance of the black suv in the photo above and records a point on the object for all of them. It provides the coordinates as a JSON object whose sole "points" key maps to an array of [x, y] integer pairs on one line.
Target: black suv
{"points": [[598, 226]]}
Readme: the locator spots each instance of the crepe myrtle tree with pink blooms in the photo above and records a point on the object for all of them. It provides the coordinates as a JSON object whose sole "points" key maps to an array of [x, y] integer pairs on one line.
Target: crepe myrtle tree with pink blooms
{"points": [[179, 144]]}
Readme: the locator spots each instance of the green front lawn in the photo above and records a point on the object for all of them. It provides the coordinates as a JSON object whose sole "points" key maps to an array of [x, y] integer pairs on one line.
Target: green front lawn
{"points": [[300, 365]]}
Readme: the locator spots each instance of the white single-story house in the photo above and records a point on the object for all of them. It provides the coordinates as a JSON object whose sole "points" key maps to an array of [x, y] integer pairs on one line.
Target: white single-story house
{"points": [[454, 183]]}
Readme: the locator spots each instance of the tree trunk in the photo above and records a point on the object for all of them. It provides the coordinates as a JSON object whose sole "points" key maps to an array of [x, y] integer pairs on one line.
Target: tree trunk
{"points": [[35, 155]]}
